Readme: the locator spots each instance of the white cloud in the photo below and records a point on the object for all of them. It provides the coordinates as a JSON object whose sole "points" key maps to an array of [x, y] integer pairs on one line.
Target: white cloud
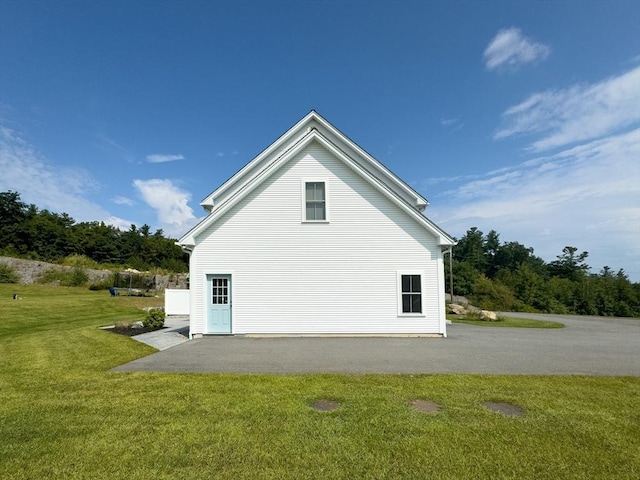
{"points": [[170, 203], [577, 113], [120, 200], [118, 222], [451, 123], [163, 158], [509, 48], [38, 181], [587, 196]]}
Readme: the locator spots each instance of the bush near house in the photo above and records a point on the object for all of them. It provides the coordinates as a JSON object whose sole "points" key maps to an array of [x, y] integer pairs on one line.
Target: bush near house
{"points": [[154, 319]]}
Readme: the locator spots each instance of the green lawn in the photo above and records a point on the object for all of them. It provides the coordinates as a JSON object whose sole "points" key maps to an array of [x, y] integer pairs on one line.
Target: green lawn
{"points": [[64, 415], [511, 322]]}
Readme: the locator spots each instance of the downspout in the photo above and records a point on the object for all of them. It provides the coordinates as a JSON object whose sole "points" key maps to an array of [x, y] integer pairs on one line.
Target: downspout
{"points": [[450, 252], [188, 249]]}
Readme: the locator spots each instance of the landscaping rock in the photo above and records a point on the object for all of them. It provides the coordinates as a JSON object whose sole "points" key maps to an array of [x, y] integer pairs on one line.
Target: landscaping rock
{"points": [[488, 316], [456, 309]]}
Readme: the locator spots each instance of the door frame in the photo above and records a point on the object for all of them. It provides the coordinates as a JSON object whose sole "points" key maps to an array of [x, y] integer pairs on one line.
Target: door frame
{"points": [[208, 278]]}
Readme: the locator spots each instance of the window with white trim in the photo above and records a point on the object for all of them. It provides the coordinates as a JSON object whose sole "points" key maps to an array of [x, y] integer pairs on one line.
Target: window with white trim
{"points": [[411, 293], [315, 201]]}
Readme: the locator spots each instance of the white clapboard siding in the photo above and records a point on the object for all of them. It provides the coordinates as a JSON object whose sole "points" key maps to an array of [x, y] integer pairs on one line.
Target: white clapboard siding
{"points": [[338, 277]]}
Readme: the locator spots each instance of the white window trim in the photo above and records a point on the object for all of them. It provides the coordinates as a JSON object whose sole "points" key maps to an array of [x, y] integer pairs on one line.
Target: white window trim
{"points": [[399, 275], [303, 202]]}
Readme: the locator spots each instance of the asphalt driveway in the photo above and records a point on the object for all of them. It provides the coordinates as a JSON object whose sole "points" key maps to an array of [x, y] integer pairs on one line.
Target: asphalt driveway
{"points": [[587, 345]]}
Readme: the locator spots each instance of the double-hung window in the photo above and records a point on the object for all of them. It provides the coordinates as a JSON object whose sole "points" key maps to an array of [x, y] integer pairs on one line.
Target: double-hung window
{"points": [[315, 201], [410, 293]]}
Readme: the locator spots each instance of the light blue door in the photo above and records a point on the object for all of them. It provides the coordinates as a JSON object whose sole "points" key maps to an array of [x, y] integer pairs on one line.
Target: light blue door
{"points": [[219, 301]]}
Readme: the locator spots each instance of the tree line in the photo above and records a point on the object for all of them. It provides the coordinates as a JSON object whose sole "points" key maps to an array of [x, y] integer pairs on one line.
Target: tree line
{"points": [[28, 232], [496, 275], [507, 276]]}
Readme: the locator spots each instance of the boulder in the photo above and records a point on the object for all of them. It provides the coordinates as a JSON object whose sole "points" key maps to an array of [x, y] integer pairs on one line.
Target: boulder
{"points": [[457, 309], [488, 315]]}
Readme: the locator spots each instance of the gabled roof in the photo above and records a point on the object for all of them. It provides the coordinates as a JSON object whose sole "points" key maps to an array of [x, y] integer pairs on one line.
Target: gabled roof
{"points": [[313, 127]]}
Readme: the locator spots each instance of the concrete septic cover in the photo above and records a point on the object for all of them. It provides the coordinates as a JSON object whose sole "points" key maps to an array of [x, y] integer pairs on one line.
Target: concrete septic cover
{"points": [[325, 405], [505, 408], [425, 406]]}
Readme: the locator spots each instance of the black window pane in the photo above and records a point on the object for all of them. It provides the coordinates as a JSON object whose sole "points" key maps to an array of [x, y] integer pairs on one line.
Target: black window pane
{"points": [[416, 303], [415, 283], [406, 303], [406, 283]]}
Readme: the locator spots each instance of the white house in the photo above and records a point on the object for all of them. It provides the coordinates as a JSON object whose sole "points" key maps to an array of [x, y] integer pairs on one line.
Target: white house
{"points": [[315, 236]]}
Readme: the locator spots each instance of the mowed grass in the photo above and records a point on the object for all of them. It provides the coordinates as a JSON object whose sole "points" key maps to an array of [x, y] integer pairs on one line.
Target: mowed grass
{"points": [[510, 322], [64, 415]]}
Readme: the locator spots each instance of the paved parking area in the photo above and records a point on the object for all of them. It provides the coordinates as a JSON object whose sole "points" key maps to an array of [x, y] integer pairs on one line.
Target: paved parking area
{"points": [[588, 345]]}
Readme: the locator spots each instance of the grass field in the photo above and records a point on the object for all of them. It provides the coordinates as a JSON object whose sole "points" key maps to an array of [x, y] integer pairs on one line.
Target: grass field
{"points": [[510, 322], [64, 415]]}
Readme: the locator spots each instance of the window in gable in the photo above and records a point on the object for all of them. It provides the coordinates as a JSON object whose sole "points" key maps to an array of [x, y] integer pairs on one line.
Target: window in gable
{"points": [[315, 201]]}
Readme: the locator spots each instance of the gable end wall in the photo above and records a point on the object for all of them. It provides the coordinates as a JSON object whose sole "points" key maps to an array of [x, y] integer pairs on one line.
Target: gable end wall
{"points": [[339, 277]]}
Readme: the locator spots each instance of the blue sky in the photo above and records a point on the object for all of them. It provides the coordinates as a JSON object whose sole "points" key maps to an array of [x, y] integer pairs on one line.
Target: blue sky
{"points": [[523, 117]]}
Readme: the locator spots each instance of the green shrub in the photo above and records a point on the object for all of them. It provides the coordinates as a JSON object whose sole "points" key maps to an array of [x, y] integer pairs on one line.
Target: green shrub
{"points": [[8, 274], [78, 277], [492, 295], [65, 278], [154, 319], [80, 261]]}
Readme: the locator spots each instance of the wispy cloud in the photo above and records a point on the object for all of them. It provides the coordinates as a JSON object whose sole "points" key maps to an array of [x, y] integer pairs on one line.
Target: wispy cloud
{"points": [[585, 196], [108, 144], [509, 48], [163, 158], [119, 200], [574, 114], [170, 203], [451, 124], [58, 188]]}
